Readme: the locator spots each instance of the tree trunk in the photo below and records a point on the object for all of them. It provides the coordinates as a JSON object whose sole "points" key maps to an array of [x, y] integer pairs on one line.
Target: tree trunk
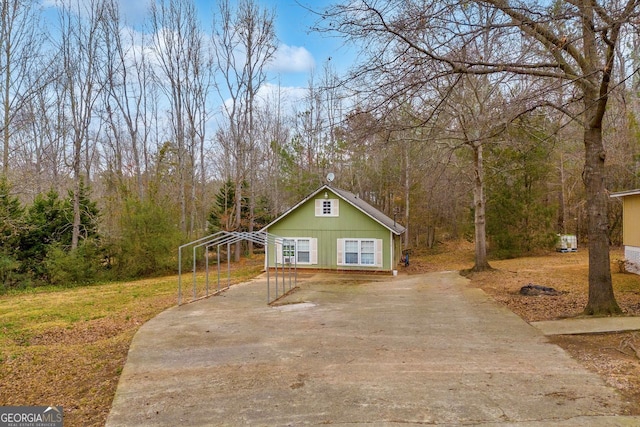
{"points": [[75, 225], [601, 297], [7, 108], [595, 91], [182, 191], [431, 236], [562, 217], [407, 189], [252, 198], [481, 262], [238, 213]]}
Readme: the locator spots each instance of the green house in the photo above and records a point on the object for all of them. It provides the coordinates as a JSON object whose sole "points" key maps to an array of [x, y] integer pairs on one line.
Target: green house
{"points": [[336, 230]]}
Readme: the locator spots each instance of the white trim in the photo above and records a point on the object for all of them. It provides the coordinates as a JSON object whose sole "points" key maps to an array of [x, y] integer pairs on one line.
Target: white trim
{"points": [[313, 251], [625, 193]]}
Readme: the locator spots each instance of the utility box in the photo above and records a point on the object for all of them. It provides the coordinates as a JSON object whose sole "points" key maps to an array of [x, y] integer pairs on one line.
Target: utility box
{"points": [[567, 243]]}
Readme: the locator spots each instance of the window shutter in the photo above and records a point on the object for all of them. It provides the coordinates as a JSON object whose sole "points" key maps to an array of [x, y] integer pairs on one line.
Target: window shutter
{"points": [[340, 250], [378, 250], [318, 207], [313, 251], [335, 207], [279, 253]]}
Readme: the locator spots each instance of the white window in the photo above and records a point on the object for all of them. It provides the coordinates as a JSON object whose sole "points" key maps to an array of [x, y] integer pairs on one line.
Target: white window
{"points": [[367, 252], [351, 253], [288, 251], [327, 207], [306, 249], [360, 252]]}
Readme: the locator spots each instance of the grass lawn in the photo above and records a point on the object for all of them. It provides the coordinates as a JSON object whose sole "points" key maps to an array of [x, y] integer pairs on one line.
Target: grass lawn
{"points": [[68, 346]]}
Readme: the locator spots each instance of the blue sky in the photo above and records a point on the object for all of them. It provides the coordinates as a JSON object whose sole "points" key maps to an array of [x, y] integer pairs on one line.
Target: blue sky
{"points": [[301, 50]]}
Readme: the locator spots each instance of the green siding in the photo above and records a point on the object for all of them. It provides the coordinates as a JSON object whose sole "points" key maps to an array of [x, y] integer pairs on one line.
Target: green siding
{"points": [[350, 223]]}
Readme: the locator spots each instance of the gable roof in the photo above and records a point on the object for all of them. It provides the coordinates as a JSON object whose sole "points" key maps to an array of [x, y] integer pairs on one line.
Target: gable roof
{"points": [[354, 201]]}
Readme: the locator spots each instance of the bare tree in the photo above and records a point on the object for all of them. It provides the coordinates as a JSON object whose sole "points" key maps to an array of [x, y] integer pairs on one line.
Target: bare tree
{"points": [[567, 42], [475, 107], [311, 136], [43, 155], [198, 86], [244, 43], [183, 77], [81, 47], [127, 108], [274, 132], [313, 149], [21, 66]]}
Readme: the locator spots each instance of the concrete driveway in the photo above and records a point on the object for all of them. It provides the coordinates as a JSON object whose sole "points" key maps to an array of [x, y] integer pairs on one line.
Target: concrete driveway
{"points": [[417, 350]]}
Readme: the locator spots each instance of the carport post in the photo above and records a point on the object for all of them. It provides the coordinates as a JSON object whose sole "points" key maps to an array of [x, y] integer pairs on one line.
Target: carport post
{"points": [[266, 259], [179, 275], [295, 268], [228, 265], [206, 268], [295, 260], [288, 266], [195, 292], [218, 257]]}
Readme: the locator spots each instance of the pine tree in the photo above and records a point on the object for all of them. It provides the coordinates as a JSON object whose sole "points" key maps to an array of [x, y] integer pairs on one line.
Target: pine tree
{"points": [[11, 226]]}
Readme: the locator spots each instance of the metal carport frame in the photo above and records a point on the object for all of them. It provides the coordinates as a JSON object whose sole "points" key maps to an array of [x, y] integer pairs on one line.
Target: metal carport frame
{"points": [[228, 238]]}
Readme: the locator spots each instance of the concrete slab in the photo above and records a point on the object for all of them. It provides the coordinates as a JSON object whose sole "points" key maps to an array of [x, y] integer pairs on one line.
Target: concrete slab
{"points": [[588, 325], [412, 350]]}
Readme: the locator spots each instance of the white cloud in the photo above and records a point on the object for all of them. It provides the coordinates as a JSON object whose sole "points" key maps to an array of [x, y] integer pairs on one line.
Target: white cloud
{"points": [[287, 98], [289, 95], [132, 10], [292, 59]]}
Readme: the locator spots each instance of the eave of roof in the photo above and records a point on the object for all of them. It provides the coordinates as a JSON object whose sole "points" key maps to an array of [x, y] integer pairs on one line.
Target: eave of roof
{"points": [[354, 201], [625, 193]]}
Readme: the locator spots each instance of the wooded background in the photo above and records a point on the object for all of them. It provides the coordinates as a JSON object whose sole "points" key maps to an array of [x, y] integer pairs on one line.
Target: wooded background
{"points": [[120, 144]]}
